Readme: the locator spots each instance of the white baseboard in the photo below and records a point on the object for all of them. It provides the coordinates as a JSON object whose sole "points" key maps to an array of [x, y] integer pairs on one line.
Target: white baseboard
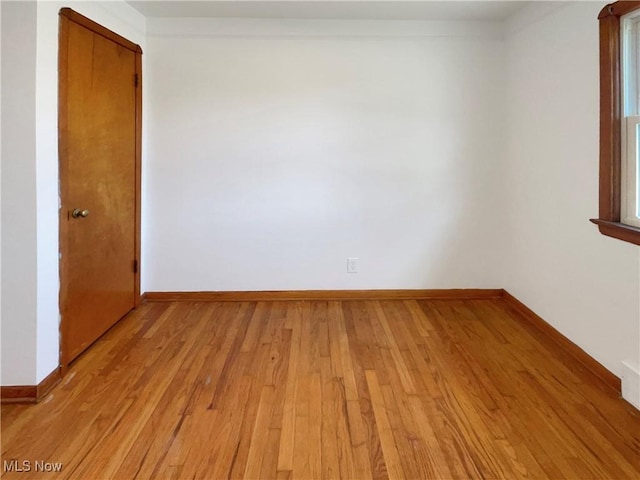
{"points": [[631, 384]]}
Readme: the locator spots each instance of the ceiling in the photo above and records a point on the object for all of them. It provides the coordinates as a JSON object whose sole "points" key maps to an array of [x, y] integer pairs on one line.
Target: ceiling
{"points": [[337, 9]]}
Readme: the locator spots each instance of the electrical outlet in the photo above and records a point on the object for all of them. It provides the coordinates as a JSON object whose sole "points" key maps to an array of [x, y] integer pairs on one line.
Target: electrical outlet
{"points": [[352, 265]]}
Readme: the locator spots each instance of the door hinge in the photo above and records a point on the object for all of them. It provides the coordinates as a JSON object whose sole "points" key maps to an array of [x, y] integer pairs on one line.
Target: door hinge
{"points": [[135, 266], [136, 80]]}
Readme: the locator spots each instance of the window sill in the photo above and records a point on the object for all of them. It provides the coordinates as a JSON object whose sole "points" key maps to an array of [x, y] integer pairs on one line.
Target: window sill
{"points": [[626, 233]]}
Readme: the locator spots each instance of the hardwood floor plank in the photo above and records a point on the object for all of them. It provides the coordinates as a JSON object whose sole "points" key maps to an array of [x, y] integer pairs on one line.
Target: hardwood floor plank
{"points": [[287, 434], [224, 436], [228, 361], [358, 401], [260, 434], [155, 439], [349, 388], [337, 455], [389, 447], [354, 389], [399, 363], [256, 371], [435, 464]]}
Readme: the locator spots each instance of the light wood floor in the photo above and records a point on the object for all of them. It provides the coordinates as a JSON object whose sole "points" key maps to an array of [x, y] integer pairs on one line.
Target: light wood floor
{"points": [[351, 389]]}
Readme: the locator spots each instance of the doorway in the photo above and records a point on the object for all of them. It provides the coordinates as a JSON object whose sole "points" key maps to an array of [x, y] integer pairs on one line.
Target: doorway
{"points": [[99, 126]]}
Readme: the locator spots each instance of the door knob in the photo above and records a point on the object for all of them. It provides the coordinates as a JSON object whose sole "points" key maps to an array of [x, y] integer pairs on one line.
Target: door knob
{"points": [[80, 213]]}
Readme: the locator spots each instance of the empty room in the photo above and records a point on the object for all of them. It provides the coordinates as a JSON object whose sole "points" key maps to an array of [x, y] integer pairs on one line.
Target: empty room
{"points": [[320, 239]]}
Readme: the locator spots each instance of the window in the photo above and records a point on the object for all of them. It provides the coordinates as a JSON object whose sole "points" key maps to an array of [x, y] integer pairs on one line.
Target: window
{"points": [[630, 206], [619, 211]]}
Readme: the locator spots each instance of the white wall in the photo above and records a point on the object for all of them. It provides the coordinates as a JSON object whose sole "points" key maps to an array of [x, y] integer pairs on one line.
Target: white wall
{"points": [[18, 349], [0, 192], [583, 283], [30, 282], [278, 149]]}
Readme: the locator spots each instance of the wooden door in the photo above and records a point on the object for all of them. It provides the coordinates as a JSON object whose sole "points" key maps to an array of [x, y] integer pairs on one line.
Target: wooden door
{"points": [[99, 129]]}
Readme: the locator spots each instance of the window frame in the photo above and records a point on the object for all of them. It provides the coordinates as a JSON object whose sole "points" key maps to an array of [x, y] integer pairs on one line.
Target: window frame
{"points": [[610, 204]]}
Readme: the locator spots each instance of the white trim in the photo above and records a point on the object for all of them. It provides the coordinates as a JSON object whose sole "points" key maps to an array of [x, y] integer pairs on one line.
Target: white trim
{"points": [[257, 27], [631, 384]]}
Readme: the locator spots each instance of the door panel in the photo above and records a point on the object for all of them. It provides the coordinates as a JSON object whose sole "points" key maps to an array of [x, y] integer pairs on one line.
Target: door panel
{"points": [[99, 177]]}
